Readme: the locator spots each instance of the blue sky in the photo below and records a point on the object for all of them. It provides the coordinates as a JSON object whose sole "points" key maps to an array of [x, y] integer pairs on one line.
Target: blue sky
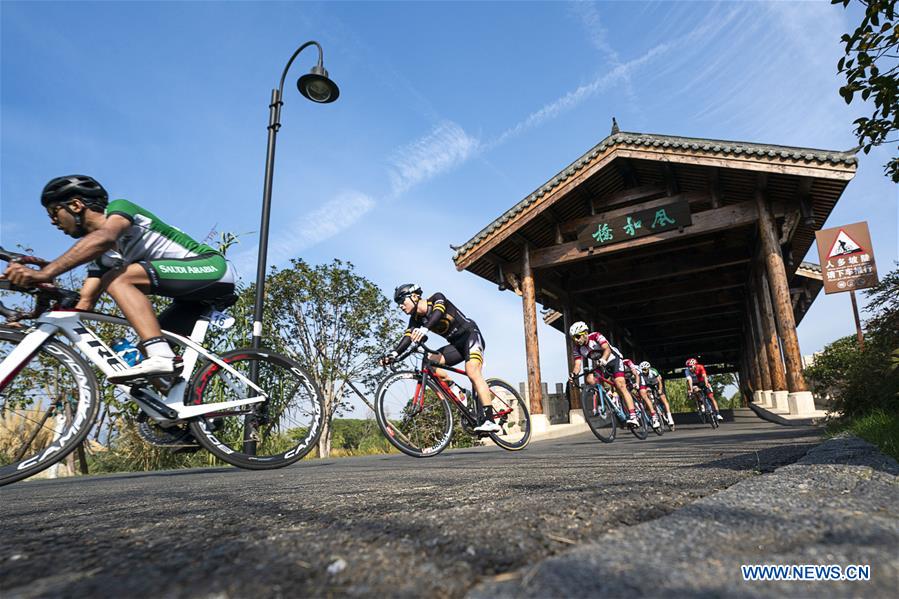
{"points": [[449, 114]]}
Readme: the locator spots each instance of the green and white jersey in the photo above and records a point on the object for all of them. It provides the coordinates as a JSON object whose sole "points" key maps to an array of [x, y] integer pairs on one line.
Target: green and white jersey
{"points": [[148, 239], [652, 377]]}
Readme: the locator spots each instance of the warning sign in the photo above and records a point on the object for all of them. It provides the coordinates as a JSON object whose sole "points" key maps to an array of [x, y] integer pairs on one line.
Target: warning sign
{"points": [[843, 245], [847, 259]]}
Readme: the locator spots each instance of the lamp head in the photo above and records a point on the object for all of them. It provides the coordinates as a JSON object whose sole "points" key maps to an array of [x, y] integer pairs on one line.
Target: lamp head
{"points": [[316, 86]]}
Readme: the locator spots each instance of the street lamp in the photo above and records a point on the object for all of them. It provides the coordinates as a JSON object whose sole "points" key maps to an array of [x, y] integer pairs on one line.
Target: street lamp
{"points": [[315, 86]]}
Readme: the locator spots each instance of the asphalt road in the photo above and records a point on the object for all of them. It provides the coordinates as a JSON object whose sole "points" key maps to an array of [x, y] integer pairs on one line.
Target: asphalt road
{"points": [[378, 525]]}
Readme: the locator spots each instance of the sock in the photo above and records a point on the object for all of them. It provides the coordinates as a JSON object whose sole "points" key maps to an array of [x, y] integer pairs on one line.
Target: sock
{"points": [[488, 412], [158, 346]]}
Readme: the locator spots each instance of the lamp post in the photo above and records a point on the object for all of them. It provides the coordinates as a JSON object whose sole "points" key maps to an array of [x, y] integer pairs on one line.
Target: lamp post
{"points": [[317, 87]]}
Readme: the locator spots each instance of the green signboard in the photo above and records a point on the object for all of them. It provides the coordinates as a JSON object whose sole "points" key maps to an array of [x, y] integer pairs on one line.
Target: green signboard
{"points": [[637, 224]]}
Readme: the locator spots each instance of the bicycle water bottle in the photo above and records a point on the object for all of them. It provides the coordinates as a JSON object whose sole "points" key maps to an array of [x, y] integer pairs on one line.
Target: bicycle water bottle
{"points": [[127, 351]]}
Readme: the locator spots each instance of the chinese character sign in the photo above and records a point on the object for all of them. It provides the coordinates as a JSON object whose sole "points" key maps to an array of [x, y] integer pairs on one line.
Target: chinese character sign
{"points": [[847, 258], [640, 223]]}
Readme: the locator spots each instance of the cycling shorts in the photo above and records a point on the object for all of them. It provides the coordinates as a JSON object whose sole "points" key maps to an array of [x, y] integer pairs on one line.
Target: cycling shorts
{"points": [[615, 367], [199, 278], [467, 347]]}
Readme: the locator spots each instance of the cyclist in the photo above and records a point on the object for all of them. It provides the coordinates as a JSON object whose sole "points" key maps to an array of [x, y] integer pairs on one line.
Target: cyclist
{"points": [[635, 379], [655, 381], [439, 315], [604, 356], [698, 378], [131, 253]]}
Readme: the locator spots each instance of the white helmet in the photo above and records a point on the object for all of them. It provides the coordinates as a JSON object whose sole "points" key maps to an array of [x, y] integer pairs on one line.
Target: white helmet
{"points": [[644, 365], [578, 328]]}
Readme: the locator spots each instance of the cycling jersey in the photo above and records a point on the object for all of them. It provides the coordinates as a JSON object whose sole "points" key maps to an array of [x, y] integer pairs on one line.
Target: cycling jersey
{"points": [[176, 264], [698, 375], [593, 349], [633, 374], [445, 319], [652, 377]]}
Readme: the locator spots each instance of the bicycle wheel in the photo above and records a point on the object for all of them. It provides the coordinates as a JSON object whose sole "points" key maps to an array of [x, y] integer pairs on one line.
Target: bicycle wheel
{"points": [[640, 431], [46, 410], [417, 421], [710, 414], [599, 414], [660, 410], [511, 414], [262, 436]]}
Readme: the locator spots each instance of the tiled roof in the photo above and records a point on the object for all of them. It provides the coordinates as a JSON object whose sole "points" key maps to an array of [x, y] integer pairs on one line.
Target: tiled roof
{"points": [[711, 146]]}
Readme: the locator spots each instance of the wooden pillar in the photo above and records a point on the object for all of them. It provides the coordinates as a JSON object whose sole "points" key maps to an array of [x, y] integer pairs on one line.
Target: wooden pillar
{"points": [[574, 398], [769, 332], [531, 347], [780, 290], [758, 348]]}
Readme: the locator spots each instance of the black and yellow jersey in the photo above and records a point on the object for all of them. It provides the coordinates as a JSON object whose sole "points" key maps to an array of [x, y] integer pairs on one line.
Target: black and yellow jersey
{"points": [[442, 317]]}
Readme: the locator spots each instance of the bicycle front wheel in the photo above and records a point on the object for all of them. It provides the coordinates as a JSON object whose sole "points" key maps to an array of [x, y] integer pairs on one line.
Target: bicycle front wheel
{"points": [[599, 414], [511, 414], [261, 436], [46, 410], [710, 414], [416, 420], [641, 431]]}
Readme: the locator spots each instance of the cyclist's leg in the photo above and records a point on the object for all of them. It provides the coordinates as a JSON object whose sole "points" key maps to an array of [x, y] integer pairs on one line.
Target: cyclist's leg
{"points": [[129, 287], [616, 368], [474, 364], [644, 395], [447, 355]]}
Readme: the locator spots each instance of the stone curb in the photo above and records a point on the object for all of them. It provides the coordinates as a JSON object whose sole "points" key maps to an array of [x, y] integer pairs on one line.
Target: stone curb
{"points": [[837, 505], [778, 419]]}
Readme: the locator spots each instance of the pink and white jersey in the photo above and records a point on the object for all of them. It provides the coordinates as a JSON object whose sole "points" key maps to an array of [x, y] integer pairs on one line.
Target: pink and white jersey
{"points": [[593, 348]]}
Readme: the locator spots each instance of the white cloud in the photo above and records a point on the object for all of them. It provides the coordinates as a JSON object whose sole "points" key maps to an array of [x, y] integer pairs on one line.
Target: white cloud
{"points": [[311, 228], [445, 147]]}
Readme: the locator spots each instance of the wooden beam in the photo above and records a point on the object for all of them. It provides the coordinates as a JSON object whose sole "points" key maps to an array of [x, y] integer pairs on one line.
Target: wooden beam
{"points": [[676, 266], [531, 345], [679, 289], [648, 320], [780, 290], [709, 221], [700, 335], [769, 332], [805, 204], [627, 172], [671, 179], [645, 311], [714, 186]]}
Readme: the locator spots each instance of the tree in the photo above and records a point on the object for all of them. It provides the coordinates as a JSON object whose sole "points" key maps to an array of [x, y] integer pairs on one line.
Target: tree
{"points": [[871, 67], [333, 321]]}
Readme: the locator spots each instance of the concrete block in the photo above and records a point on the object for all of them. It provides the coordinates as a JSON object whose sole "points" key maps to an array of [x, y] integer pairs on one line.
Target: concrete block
{"points": [[539, 423], [779, 401], [758, 397], [576, 417], [801, 403]]}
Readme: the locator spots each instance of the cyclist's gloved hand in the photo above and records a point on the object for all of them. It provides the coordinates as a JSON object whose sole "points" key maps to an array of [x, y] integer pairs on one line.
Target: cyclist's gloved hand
{"points": [[418, 334], [573, 375], [388, 359]]}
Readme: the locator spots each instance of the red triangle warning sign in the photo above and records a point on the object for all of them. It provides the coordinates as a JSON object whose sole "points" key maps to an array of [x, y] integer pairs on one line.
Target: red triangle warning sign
{"points": [[844, 245]]}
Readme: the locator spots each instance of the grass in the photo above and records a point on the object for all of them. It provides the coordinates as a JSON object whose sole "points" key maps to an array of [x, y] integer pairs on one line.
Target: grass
{"points": [[878, 428]]}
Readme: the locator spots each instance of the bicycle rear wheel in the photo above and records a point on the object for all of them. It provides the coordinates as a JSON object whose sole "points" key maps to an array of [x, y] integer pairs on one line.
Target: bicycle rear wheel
{"points": [[262, 436], [46, 410], [416, 420], [599, 414], [660, 410], [511, 414]]}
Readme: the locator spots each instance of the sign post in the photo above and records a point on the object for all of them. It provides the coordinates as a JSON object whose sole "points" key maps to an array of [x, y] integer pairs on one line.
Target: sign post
{"points": [[847, 263]]}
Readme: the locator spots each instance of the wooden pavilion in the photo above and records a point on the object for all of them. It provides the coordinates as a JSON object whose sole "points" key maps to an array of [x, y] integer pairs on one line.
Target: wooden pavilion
{"points": [[673, 247]]}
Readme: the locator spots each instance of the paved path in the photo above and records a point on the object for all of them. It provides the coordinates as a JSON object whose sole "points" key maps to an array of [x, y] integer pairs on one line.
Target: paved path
{"points": [[388, 525]]}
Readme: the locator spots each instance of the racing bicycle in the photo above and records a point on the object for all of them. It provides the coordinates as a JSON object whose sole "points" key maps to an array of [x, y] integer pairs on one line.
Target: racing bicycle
{"points": [[251, 408], [414, 409], [604, 412], [704, 408]]}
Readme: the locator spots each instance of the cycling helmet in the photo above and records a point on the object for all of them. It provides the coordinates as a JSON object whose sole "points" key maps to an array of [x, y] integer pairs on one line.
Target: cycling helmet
{"points": [[691, 362], [578, 328], [644, 365], [404, 291], [85, 188]]}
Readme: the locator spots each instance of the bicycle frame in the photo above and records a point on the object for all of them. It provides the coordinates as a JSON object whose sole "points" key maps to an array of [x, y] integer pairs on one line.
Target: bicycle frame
{"points": [[166, 409], [427, 372]]}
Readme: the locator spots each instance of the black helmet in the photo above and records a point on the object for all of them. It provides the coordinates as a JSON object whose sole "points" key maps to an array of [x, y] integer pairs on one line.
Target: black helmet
{"points": [[404, 291], [83, 187]]}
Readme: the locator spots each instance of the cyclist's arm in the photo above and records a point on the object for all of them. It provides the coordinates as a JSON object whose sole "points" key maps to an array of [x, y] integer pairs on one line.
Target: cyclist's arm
{"points": [[88, 247], [578, 364], [606, 353]]}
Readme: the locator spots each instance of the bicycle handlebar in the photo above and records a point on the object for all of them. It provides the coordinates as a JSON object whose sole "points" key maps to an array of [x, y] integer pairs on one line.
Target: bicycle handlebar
{"points": [[47, 295]]}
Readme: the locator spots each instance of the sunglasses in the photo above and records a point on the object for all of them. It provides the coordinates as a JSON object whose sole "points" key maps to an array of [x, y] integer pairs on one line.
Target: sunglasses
{"points": [[580, 335], [53, 210]]}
